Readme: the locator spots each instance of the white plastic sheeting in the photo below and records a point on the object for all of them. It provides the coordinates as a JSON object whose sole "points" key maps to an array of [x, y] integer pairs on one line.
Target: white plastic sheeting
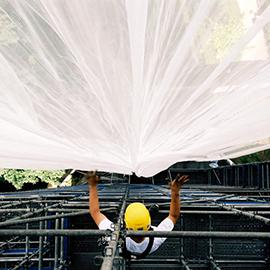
{"points": [[132, 86]]}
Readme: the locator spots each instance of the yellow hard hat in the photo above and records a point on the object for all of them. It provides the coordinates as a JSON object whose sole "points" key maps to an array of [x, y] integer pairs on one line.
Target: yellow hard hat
{"points": [[137, 217]]}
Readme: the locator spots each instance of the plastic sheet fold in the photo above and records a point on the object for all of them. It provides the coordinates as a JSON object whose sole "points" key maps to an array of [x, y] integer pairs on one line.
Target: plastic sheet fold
{"points": [[132, 86]]}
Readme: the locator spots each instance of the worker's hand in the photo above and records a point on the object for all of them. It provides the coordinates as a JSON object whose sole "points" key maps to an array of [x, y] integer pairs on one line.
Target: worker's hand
{"points": [[92, 178], [177, 183]]}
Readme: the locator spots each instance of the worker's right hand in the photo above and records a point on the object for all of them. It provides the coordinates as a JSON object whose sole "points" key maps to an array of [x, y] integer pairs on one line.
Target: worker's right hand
{"points": [[177, 183], [92, 178]]}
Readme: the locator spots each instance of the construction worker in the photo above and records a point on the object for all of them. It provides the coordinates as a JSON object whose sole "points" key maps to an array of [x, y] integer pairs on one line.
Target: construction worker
{"points": [[137, 217]]}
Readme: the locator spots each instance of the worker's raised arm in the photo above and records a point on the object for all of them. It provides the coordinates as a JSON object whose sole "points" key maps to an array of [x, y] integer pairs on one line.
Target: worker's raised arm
{"points": [[94, 210], [176, 185]]}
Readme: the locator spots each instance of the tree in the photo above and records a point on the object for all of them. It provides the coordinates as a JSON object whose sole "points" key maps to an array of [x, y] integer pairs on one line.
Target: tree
{"points": [[18, 177], [224, 30], [255, 157]]}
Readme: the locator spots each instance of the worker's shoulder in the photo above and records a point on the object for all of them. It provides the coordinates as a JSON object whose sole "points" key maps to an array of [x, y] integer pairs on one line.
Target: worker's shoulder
{"points": [[165, 225]]}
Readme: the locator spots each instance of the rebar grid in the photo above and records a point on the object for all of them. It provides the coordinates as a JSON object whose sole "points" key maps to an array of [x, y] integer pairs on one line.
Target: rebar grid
{"points": [[43, 232], [252, 175]]}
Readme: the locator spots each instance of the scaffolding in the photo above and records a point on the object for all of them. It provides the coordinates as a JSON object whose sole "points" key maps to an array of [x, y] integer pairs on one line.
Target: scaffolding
{"points": [[221, 227]]}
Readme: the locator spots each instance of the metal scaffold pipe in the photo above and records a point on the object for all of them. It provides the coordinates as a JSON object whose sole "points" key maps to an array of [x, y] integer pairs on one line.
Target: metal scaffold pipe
{"points": [[168, 234], [110, 250], [199, 234]]}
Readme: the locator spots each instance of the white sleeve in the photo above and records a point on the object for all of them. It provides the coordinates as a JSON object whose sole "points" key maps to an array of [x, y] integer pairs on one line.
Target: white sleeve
{"points": [[105, 224], [165, 225]]}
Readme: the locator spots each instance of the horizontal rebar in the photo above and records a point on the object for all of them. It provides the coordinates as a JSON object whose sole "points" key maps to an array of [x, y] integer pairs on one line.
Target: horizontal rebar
{"points": [[168, 234], [212, 212], [246, 214], [53, 232], [49, 217], [86, 207], [185, 212], [16, 259], [28, 215], [192, 261], [199, 234]]}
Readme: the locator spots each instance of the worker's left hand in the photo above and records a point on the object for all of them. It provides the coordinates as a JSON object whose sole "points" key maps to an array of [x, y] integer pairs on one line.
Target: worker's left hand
{"points": [[92, 178], [177, 183]]}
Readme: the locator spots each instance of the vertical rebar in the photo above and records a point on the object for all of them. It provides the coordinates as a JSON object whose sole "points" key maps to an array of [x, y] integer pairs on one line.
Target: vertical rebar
{"points": [[209, 177], [262, 170], [111, 178], [182, 258], [251, 176], [129, 179], [226, 175], [267, 175], [212, 262], [237, 176], [27, 241], [40, 247], [248, 177], [170, 175], [27, 244], [56, 243], [210, 241], [62, 243], [46, 224], [181, 238]]}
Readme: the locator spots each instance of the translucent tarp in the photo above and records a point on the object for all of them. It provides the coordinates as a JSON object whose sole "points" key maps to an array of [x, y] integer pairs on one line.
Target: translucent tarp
{"points": [[132, 86]]}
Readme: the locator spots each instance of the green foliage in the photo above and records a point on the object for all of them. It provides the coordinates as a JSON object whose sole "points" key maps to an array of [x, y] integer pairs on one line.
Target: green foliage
{"points": [[19, 177], [8, 34], [255, 157], [225, 31]]}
